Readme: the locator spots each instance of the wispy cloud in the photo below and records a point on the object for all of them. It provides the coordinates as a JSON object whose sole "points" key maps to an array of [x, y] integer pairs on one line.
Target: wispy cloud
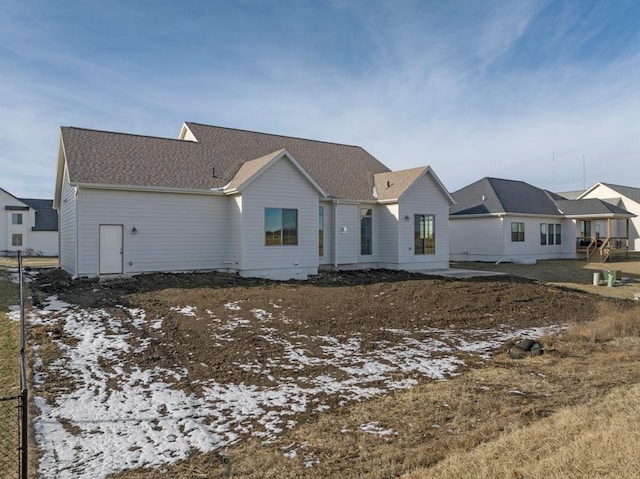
{"points": [[472, 88]]}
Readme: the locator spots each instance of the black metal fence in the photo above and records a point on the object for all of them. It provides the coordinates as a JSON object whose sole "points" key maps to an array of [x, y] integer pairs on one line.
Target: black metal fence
{"points": [[14, 410]]}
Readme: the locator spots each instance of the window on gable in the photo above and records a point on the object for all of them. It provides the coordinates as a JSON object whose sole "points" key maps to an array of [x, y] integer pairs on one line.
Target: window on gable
{"points": [[16, 218], [16, 240], [280, 227], [366, 231], [424, 232], [517, 231]]}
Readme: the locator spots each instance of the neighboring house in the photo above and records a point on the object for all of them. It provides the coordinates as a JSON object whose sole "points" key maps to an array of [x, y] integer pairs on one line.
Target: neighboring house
{"points": [[239, 201], [506, 220], [626, 197], [29, 225]]}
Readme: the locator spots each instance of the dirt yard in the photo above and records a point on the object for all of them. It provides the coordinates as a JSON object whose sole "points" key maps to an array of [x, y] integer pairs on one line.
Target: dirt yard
{"points": [[374, 305], [256, 357]]}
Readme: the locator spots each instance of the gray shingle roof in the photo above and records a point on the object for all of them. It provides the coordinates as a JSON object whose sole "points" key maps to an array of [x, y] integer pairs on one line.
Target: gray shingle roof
{"points": [[591, 207], [628, 191], [495, 195], [343, 171], [46, 216], [252, 167], [99, 157], [106, 158], [570, 195], [391, 185]]}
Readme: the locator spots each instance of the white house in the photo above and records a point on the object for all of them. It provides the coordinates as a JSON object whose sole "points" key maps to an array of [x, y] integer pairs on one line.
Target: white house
{"points": [[505, 220], [29, 225], [231, 200], [626, 197]]}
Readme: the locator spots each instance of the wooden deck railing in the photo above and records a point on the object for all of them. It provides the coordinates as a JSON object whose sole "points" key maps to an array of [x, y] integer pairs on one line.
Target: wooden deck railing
{"points": [[603, 248]]}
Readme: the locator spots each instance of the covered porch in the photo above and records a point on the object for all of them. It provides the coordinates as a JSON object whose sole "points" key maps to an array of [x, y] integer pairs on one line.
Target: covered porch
{"points": [[603, 246], [602, 227]]}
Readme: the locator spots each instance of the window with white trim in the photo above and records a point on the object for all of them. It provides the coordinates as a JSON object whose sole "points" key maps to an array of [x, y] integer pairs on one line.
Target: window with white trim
{"points": [[280, 227], [517, 232], [424, 231], [321, 231], [366, 231]]}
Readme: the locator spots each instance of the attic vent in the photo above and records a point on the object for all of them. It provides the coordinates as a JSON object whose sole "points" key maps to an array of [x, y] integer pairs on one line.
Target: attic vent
{"points": [[389, 184], [213, 171], [484, 198]]}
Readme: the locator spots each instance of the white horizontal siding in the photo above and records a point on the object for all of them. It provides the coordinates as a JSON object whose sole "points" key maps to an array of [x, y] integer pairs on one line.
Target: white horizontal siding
{"points": [[67, 224], [235, 233], [5, 219], [45, 242], [348, 234], [175, 232], [531, 248], [282, 185], [7, 229], [329, 233], [489, 239], [388, 233], [476, 239], [424, 198]]}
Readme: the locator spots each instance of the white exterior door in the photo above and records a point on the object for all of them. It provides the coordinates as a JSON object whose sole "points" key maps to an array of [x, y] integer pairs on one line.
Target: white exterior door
{"points": [[110, 249]]}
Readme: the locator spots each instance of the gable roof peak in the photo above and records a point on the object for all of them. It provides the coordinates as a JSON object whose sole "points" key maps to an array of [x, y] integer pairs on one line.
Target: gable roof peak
{"points": [[491, 196], [240, 130]]}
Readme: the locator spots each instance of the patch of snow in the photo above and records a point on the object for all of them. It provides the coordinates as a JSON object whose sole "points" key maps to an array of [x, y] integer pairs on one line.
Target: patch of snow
{"points": [[309, 462], [291, 454], [261, 314], [185, 310], [52, 303], [14, 313], [157, 324], [375, 428]]}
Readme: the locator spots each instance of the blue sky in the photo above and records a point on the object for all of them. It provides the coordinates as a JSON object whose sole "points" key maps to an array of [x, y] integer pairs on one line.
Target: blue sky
{"points": [[546, 92]]}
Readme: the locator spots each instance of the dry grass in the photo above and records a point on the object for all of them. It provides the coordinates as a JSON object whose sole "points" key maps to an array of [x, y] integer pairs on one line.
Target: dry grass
{"points": [[571, 273], [538, 417], [600, 439], [9, 340], [611, 323], [29, 261], [10, 377]]}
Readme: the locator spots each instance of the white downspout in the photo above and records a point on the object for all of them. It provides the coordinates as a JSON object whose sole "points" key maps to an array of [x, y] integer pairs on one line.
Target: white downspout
{"points": [[503, 239]]}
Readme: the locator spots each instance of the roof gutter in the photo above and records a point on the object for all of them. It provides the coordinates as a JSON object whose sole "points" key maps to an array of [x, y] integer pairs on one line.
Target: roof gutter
{"points": [[154, 189]]}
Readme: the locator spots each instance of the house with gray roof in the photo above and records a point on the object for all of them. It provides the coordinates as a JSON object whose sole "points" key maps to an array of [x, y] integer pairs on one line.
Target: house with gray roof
{"points": [[626, 197], [496, 219], [29, 225], [251, 203]]}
